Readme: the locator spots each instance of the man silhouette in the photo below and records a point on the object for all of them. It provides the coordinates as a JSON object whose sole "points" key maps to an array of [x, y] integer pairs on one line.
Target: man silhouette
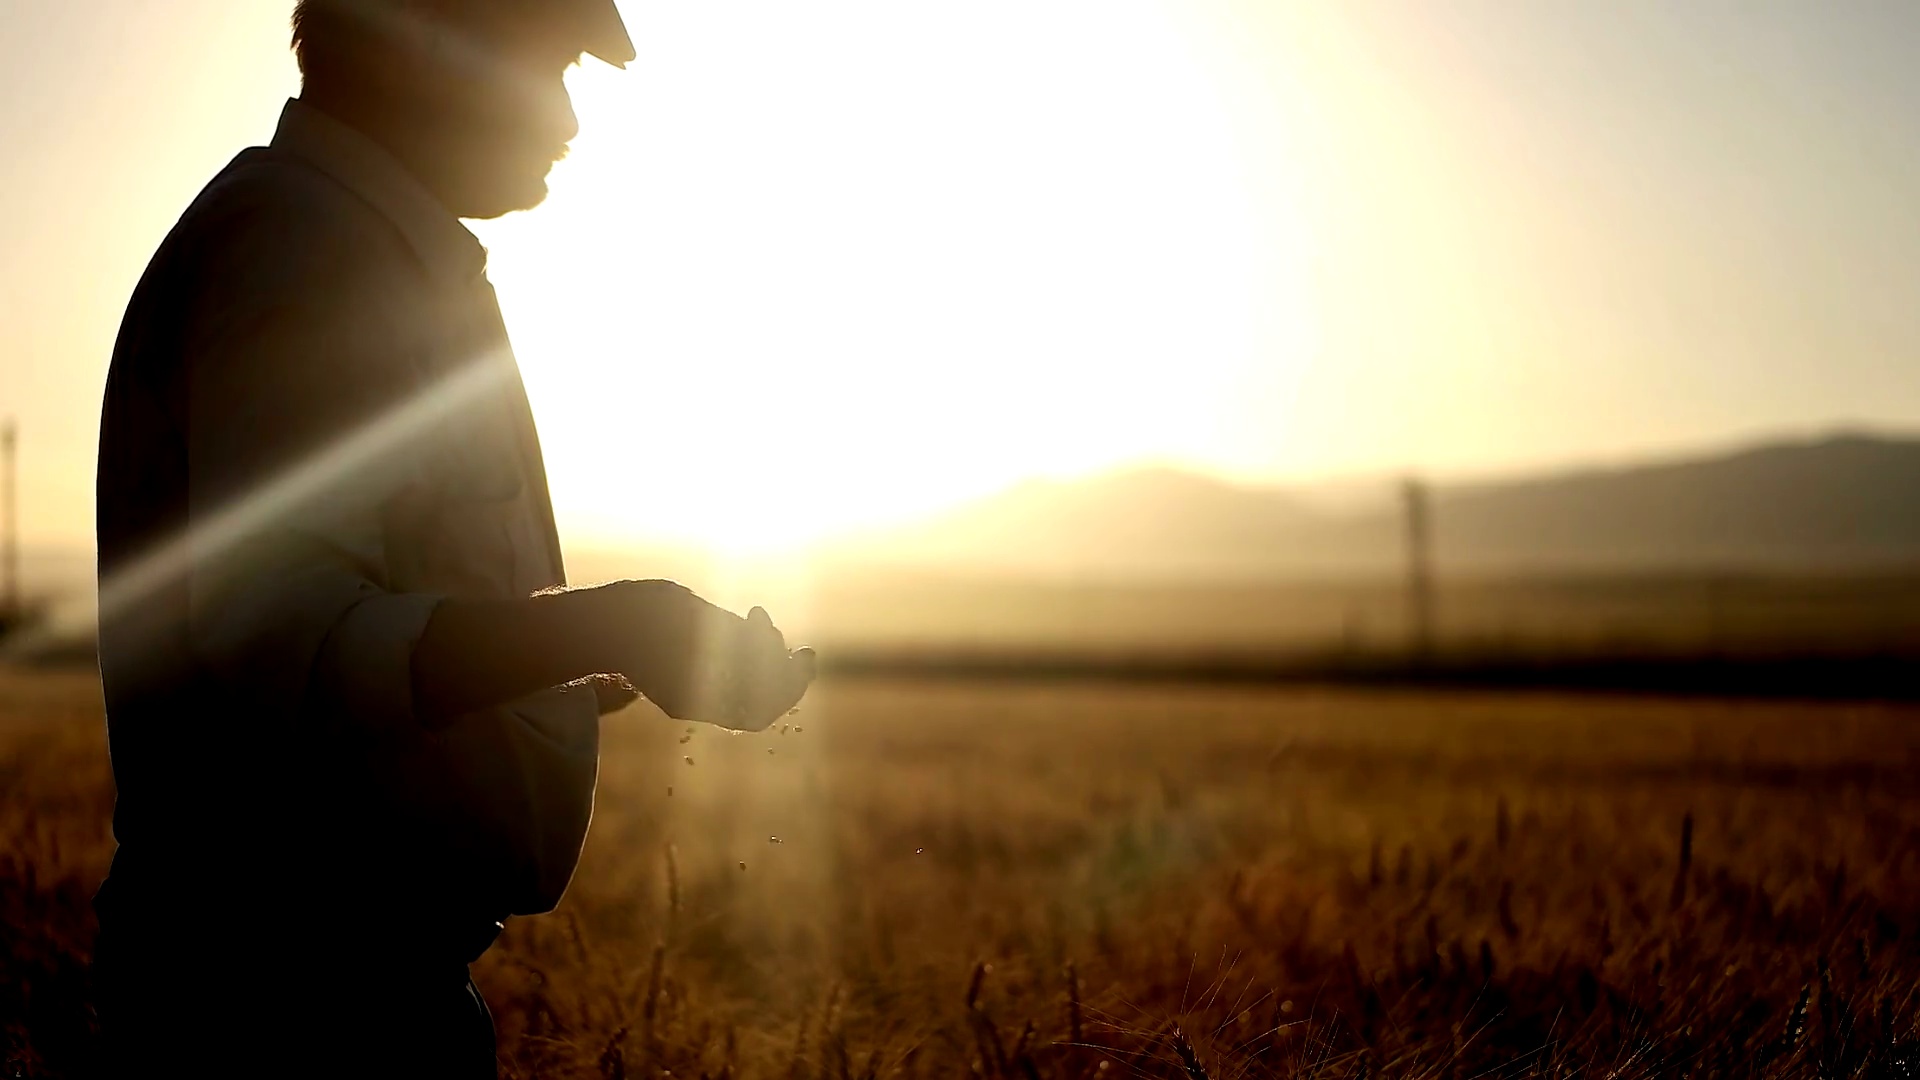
{"points": [[353, 712]]}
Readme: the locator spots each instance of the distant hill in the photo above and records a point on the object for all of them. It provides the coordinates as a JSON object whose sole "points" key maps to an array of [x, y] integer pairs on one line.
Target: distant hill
{"points": [[1845, 503], [1163, 559]]}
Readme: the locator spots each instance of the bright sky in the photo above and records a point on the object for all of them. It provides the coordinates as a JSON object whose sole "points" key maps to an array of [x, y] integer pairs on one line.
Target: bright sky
{"points": [[816, 265]]}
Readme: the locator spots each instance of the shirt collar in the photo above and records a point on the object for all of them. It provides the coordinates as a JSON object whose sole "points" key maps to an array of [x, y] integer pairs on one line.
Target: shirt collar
{"points": [[361, 165]]}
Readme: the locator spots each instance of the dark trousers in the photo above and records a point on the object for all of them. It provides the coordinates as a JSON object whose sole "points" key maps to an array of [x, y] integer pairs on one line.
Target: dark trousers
{"points": [[165, 1011]]}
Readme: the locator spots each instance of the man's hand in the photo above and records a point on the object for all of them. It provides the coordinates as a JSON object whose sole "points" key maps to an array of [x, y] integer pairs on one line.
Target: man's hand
{"points": [[702, 663]]}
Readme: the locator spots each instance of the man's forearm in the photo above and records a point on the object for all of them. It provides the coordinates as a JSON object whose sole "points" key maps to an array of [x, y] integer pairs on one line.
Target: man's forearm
{"points": [[479, 653], [690, 658]]}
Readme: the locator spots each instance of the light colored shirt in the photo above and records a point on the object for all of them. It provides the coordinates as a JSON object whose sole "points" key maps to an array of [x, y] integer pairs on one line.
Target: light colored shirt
{"points": [[315, 430]]}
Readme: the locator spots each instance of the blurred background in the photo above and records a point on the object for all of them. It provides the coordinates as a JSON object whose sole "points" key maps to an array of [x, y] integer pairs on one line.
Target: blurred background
{"points": [[1415, 368], [1009, 323]]}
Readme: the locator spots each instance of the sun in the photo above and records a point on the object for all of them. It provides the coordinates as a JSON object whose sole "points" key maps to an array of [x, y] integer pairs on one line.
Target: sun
{"points": [[828, 267]]}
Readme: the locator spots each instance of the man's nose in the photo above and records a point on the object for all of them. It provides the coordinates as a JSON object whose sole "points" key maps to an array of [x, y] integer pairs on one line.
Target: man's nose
{"points": [[552, 109], [568, 125]]}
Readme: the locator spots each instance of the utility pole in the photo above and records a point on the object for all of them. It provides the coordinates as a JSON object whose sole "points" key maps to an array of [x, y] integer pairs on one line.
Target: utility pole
{"points": [[9, 525], [1419, 518]]}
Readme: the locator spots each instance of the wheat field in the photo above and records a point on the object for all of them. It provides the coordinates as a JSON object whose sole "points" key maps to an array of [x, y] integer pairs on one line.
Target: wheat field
{"points": [[1080, 881]]}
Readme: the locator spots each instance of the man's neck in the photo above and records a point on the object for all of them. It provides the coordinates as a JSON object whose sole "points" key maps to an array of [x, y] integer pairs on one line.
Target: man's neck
{"points": [[387, 125]]}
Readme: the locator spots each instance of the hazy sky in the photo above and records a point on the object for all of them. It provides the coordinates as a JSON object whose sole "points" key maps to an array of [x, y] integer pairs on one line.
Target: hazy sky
{"points": [[817, 264]]}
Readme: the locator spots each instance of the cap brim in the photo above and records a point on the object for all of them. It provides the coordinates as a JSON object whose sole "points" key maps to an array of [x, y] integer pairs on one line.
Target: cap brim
{"points": [[609, 39]]}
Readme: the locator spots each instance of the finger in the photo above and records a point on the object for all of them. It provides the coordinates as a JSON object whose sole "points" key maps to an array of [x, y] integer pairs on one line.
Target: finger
{"points": [[762, 648], [776, 689], [763, 627], [802, 668]]}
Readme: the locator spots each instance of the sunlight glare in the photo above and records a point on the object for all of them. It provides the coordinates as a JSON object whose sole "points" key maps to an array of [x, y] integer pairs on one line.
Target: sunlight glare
{"points": [[828, 266]]}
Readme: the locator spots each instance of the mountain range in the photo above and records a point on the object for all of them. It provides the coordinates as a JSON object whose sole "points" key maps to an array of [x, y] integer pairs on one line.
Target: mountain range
{"points": [[1844, 503]]}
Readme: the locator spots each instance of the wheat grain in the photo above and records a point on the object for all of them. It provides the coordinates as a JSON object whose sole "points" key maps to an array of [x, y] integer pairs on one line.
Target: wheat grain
{"points": [[1189, 1059]]}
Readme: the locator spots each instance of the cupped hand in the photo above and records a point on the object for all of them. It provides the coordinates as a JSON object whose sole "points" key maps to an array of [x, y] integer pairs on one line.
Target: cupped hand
{"points": [[704, 664]]}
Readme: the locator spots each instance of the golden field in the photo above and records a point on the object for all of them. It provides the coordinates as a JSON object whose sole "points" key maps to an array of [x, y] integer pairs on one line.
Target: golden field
{"points": [[1026, 880]]}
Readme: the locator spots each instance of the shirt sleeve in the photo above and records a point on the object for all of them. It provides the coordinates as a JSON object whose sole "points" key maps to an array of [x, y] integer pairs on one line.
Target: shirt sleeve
{"points": [[297, 362]]}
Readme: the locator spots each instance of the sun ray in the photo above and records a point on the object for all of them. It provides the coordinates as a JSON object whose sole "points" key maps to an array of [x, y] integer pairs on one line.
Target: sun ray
{"points": [[129, 588]]}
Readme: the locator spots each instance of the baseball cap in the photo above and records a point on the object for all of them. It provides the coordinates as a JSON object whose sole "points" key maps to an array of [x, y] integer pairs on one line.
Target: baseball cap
{"points": [[595, 25], [605, 32]]}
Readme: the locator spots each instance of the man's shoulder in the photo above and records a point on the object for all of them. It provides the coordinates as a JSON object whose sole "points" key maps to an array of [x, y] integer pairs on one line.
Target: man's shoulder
{"points": [[269, 217]]}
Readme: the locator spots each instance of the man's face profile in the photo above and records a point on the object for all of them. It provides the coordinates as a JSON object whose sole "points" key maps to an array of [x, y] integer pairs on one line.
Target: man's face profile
{"points": [[508, 116], [471, 94]]}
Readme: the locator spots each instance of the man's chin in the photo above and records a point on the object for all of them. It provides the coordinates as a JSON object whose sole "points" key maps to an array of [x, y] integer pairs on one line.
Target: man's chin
{"points": [[506, 199]]}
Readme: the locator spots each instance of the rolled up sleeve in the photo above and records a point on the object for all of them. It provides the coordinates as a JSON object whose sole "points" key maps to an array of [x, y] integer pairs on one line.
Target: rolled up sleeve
{"points": [[283, 627], [367, 658]]}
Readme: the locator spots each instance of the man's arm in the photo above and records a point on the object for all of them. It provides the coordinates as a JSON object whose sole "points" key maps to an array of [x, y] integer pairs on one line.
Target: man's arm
{"points": [[696, 661], [478, 653]]}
